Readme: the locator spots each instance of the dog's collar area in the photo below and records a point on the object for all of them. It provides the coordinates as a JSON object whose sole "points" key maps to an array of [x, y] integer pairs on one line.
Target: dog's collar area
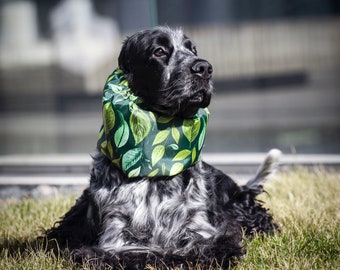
{"points": [[143, 143]]}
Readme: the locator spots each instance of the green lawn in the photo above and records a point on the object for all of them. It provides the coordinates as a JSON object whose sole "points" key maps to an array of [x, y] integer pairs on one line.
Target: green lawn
{"points": [[305, 203]]}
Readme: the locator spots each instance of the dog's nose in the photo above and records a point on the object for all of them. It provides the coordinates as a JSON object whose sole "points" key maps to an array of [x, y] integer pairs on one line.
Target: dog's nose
{"points": [[202, 69]]}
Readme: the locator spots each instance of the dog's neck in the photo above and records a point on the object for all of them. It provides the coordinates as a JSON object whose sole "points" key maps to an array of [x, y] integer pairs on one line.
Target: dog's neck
{"points": [[143, 143]]}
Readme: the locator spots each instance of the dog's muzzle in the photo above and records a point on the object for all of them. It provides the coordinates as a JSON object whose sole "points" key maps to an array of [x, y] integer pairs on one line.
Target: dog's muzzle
{"points": [[202, 69], [201, 88]]}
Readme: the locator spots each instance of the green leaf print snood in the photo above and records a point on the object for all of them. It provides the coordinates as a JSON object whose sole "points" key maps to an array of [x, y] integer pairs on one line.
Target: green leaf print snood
{"points": [[144, 143]]}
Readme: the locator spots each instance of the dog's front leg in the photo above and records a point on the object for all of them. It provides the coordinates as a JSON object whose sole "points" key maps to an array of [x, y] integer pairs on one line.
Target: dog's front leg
{"points": [[79, 226]]}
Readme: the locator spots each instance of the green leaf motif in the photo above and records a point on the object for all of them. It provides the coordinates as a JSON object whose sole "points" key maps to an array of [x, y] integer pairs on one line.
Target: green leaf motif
{"points": [[173, 147], [109, 148], [131, 157], [140, 125], [116, 162], [163, 168], [161, 136], [153, 173], [202, 136], [164, 119], [157, 154], [110, 78], [176, 169], [109, 117], [182, 155], [115, 88], [101, 133], [103, 145], [152, 116], [107, 95], [175, 134], [122, 134], [134, 172], [193, 155], [191, 128], [125, 83]]}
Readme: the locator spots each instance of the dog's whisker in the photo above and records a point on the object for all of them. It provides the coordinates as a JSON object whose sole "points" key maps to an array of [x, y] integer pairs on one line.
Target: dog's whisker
{"points": [[172, 85]]}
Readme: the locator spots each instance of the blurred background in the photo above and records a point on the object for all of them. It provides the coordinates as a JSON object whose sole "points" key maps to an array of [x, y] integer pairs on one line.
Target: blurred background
{"points": [[276, 70]]}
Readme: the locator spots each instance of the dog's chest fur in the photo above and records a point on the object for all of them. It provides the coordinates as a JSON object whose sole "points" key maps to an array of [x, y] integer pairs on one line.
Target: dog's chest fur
{"points": [[166, 214]]}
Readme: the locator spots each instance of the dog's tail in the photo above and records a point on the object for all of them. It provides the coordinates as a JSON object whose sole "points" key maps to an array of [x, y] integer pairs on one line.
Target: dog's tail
{"points": [[267, 168]]}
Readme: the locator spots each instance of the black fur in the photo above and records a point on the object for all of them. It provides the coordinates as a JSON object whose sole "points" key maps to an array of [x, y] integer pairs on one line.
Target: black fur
{"points": [[195, 218], [162, 67]]}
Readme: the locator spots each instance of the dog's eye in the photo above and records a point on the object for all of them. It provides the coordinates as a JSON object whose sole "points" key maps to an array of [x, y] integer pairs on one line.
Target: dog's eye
{"points": [[159, 52]]}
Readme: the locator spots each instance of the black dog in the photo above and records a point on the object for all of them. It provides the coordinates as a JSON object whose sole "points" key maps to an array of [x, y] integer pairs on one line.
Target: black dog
{"points": [[197, 217]]}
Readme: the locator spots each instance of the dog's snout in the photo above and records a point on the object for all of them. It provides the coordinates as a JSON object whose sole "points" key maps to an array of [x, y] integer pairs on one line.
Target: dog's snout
{"points": [[202, 69]]}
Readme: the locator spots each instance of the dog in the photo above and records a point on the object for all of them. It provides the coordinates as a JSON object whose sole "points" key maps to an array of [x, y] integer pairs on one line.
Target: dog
{"points": [[197, 217]]}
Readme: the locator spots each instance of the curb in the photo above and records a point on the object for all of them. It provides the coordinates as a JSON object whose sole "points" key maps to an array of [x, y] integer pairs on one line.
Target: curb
{"points": [[72, 169]]}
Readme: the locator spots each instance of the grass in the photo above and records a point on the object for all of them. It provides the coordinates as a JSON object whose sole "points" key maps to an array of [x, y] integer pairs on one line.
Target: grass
{"points": [[306, 205]]}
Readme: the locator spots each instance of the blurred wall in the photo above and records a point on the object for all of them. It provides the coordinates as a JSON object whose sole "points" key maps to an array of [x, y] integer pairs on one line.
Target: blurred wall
{"points": [[275, 69]]}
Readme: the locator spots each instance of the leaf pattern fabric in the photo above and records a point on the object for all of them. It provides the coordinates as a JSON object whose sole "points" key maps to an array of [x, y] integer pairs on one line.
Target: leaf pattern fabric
{"points": [[143, 143]]}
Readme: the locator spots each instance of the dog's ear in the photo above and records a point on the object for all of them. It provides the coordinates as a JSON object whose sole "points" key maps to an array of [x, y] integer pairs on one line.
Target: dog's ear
{"points": [[126, 53], [123, 59]]}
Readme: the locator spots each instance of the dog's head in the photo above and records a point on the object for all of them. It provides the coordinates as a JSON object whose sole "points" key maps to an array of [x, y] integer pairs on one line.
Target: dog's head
{"points": [[162, 67]]}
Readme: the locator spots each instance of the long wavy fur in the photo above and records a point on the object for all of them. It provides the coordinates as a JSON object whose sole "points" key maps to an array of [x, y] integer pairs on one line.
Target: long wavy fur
{"points": [[208, 227], [196, 218]]}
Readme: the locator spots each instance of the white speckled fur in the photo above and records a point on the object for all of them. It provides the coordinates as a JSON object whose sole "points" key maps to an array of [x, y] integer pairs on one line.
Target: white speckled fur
{"points": [[135, 207]]}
